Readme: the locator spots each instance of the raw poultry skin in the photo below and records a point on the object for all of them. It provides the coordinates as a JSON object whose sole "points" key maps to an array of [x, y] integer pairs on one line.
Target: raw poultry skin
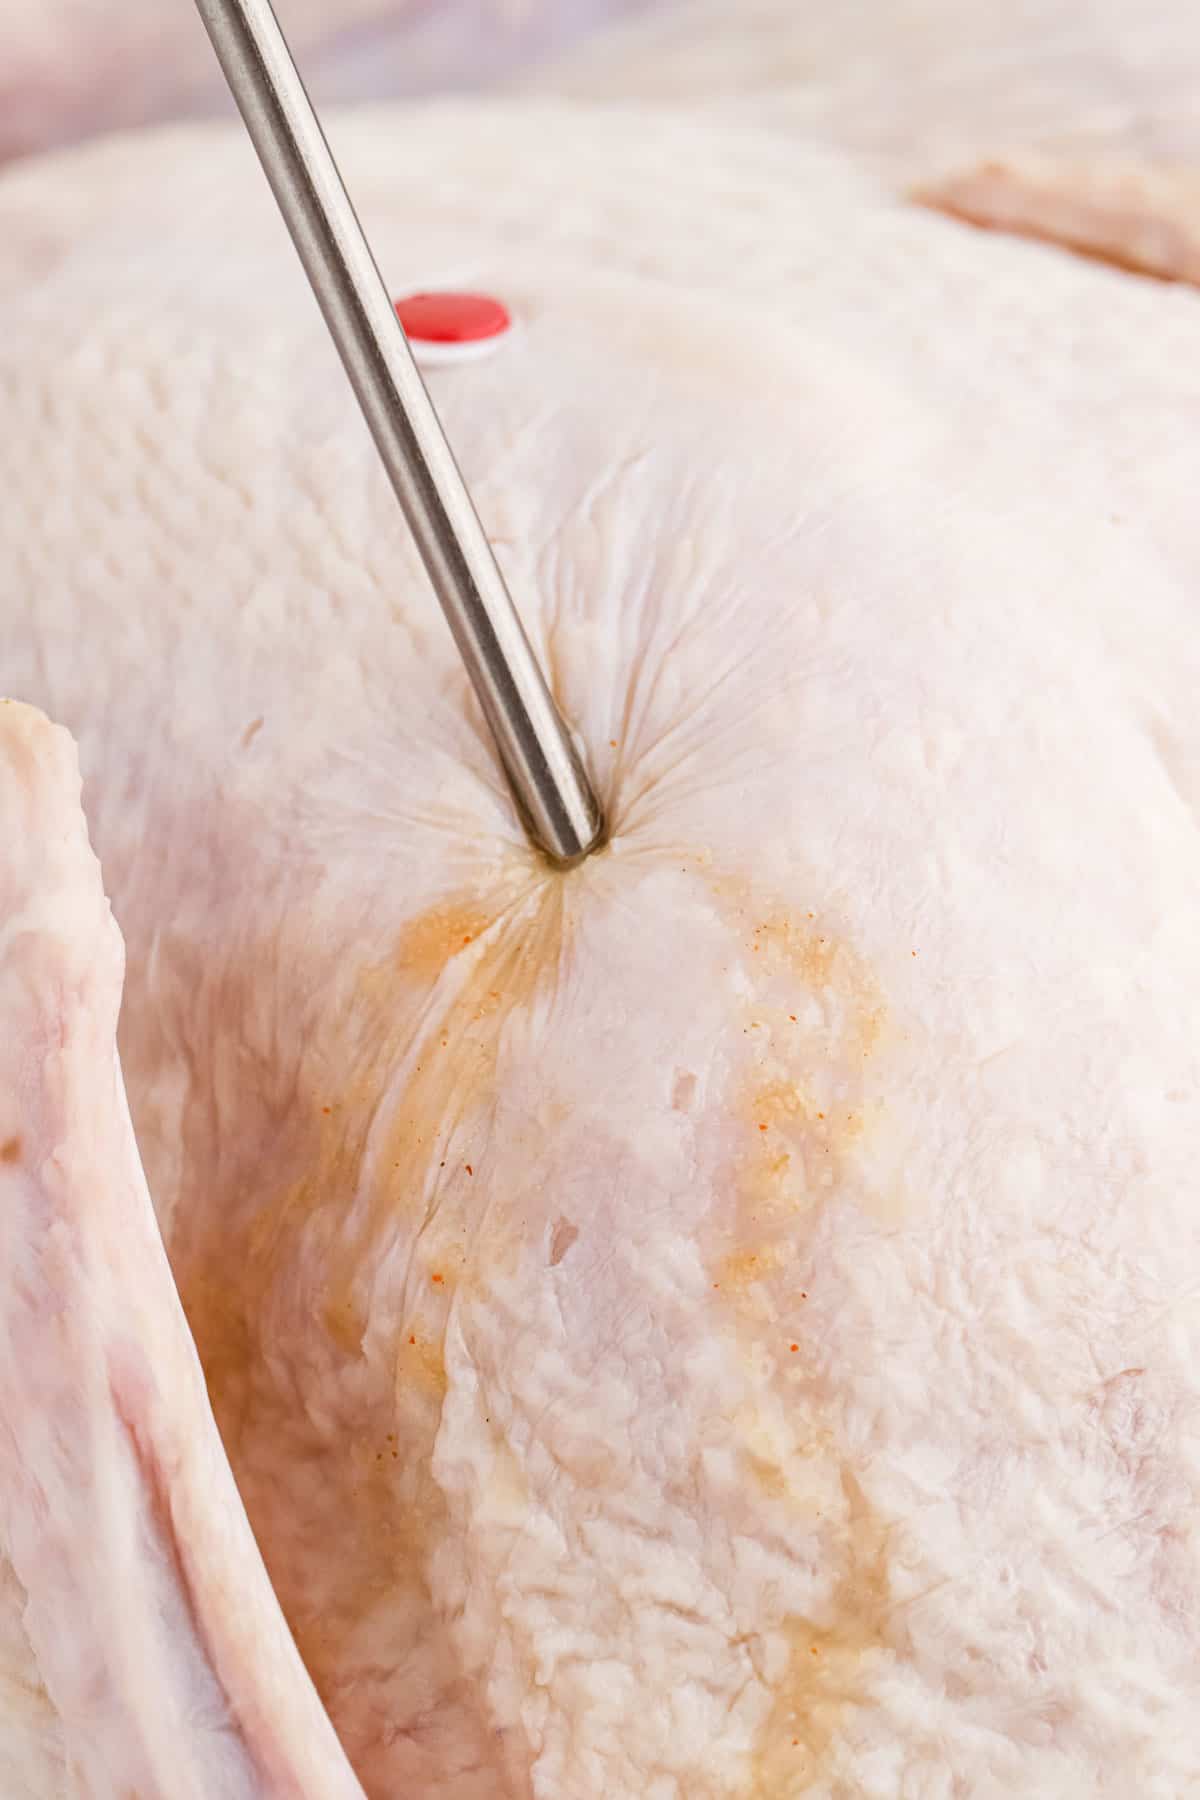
{"points": [[721, 1323]]}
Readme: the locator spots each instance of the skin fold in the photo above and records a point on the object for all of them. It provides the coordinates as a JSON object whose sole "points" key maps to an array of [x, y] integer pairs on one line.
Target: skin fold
{"points": [[163, 1662]]}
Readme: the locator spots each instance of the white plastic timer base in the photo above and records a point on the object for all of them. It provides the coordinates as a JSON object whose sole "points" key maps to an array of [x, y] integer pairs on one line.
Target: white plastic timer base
{"points": [[431, 355]]}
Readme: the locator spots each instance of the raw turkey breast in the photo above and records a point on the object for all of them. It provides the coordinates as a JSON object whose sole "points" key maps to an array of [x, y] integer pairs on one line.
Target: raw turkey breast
{"points": [[721, 1324]]}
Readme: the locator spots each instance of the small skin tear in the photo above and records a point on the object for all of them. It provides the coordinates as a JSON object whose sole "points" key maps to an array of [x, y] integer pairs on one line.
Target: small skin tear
{"points": [[565, 1234], [684, 1097]]}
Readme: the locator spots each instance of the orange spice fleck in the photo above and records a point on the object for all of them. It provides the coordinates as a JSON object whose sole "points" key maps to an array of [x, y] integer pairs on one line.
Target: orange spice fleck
{"points": [[412, 1340], [438, 1279], [327, 1110], [795, 1347], [470, 1170]]}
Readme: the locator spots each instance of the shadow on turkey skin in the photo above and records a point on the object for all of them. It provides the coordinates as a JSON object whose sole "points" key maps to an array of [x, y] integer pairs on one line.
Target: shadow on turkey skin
{"points": [[717, 1323]]}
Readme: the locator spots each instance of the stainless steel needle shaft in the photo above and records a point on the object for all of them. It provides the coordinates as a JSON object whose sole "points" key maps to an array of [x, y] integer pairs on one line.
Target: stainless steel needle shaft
{"points": [[560, 810]]}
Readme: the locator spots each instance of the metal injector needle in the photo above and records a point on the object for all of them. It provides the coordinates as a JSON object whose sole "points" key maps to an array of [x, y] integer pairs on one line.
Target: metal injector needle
{"points": [[556, 800]]}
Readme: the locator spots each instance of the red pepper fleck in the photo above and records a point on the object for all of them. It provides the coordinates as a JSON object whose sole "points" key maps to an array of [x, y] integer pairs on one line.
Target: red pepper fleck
{"points": [[470, 1170], [438, 1279], [762, 1128], [795, 1347], [412, 1340], [327, 1109]]}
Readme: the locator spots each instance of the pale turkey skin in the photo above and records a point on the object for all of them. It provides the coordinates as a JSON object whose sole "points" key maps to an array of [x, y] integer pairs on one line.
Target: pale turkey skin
{"points": [[862, 551]]}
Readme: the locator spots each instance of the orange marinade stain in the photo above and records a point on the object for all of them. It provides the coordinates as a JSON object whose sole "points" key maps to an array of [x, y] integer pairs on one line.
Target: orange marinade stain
{"points": [[812, 1028], [830, 1668], [432, 940], [287, 1254]]}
